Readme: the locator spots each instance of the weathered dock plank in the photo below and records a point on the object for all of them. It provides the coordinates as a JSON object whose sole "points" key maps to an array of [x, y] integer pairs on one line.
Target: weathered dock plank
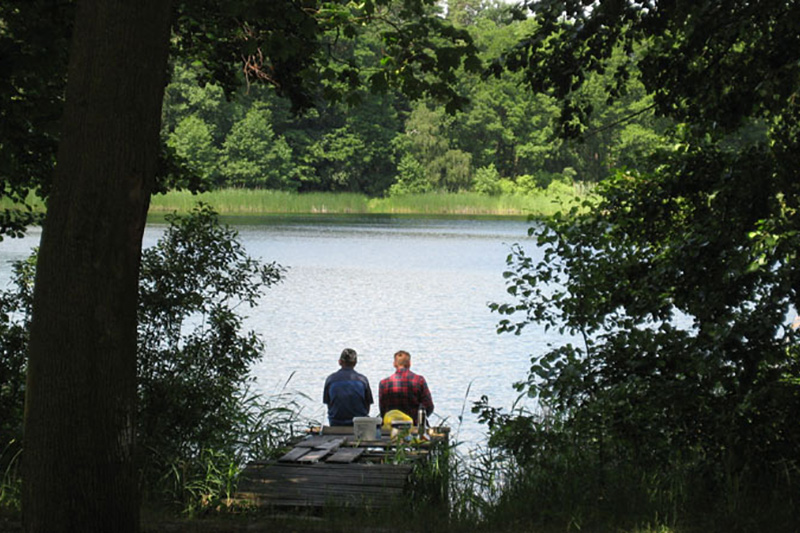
{"points": [[314, 455], [294, 454], [346, 455], [323, 442], [320, 484], [336, 469], [354, 473]]}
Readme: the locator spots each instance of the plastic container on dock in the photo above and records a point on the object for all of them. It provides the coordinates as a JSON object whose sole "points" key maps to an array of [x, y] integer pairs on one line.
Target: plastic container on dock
{"points": [[367, 428]]}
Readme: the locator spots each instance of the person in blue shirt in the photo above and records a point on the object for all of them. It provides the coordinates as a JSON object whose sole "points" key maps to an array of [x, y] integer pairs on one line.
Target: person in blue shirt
{"points": [[347, 393]]}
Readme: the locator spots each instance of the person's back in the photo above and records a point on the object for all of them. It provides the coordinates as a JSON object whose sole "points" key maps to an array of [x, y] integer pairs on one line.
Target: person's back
{"points": [[347, 393], [404, 390]]}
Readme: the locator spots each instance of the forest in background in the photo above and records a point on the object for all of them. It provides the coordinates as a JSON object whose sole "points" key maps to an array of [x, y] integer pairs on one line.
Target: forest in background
{"points": [[501, 142]]}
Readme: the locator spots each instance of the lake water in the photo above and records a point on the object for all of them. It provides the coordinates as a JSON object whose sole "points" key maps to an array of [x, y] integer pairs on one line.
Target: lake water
{"points": [[379, 284]]}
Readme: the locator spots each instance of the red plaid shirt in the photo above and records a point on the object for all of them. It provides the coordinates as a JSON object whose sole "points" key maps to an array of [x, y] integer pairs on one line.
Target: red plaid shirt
{"points": [[406, 391]]}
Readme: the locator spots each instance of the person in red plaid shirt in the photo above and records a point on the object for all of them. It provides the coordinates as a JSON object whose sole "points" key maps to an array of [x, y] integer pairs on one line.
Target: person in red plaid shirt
{"points": [[404, 390]]}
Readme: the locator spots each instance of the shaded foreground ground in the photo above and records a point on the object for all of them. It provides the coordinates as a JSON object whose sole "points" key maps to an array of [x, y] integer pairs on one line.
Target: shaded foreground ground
{"points": [[337, 522], [254, 525], [305, 525], [340, 521]]}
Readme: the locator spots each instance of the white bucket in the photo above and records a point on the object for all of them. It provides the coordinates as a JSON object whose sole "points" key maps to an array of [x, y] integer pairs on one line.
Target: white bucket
{"points": [[366, 427]]}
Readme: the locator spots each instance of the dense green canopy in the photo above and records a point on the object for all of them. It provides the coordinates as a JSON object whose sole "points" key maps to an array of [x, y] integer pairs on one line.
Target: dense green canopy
{"points": [[679, 286], [359, 111]]}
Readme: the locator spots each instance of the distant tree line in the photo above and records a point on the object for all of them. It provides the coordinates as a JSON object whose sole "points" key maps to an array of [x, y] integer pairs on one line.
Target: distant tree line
{"points": [[502, 141]]}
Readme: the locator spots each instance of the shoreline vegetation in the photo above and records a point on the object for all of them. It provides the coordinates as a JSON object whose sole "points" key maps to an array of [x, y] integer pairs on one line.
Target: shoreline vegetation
{"points": [[231, 202], [256, 202]]}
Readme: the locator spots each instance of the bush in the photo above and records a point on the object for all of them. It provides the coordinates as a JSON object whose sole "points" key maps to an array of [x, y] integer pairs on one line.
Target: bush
{"points": [[15, 307], [487, 181], [411, 178], [561, 188], [507, 186], [543, 180], [675, 384], [194, 361]]}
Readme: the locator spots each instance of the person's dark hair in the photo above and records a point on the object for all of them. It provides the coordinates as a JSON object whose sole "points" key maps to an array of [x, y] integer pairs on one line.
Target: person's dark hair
{"points": [[349, 356]]}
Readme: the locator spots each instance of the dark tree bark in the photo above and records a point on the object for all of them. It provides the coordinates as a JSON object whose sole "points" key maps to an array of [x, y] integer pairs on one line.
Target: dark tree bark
{"points": [[79, 471]]}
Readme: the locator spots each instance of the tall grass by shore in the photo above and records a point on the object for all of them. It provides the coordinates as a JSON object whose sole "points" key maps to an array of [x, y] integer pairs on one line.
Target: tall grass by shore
{"points": [[255, 202], [258, 202], [266, 202], [467, 204]]}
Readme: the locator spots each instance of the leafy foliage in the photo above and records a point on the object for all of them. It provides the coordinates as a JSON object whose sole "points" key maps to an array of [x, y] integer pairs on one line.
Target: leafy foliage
{"points": [[676, 291], [33, 47], [15, 305], [253, 157], [304, 50], [193, 360], [339, 146], [487, 181], [196, 407], [745, 46], [289, 45], [366, 75], [192, 142]]}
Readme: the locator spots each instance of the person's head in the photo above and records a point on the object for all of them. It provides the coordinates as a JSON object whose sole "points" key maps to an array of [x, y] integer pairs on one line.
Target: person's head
{"points": [[349, 358], [402, 359]]}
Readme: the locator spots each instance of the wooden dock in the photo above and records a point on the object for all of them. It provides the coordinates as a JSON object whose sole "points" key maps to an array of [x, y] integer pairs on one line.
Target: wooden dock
{"points": [[334, 469]]}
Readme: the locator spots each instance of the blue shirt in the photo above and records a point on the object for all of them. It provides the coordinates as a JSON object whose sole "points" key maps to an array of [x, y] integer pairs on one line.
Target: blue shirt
{"points": [[347, 395]]}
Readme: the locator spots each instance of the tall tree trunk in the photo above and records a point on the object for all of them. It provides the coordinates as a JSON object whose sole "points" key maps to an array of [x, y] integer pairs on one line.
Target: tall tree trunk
{"points": [[79, 472]]}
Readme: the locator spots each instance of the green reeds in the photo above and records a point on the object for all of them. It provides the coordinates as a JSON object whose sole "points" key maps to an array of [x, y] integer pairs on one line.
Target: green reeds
{"points": [[466, 203], [266, 202], [260, 201]]}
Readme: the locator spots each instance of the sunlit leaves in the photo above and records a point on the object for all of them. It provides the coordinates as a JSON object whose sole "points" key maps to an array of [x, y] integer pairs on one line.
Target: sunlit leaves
{"points": [[688, 45]]}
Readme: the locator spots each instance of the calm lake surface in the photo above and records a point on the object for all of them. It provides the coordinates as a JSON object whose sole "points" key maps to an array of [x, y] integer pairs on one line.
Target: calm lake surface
{"points": [[379, 284]]}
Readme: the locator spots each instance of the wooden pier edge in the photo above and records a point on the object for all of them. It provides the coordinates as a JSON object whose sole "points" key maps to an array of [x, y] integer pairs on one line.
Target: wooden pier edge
{"points": [[333, 469]]}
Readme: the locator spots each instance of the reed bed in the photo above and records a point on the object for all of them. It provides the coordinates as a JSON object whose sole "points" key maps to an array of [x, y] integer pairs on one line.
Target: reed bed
{"points": [[258, 202], [466, 204], [267, 202]]}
